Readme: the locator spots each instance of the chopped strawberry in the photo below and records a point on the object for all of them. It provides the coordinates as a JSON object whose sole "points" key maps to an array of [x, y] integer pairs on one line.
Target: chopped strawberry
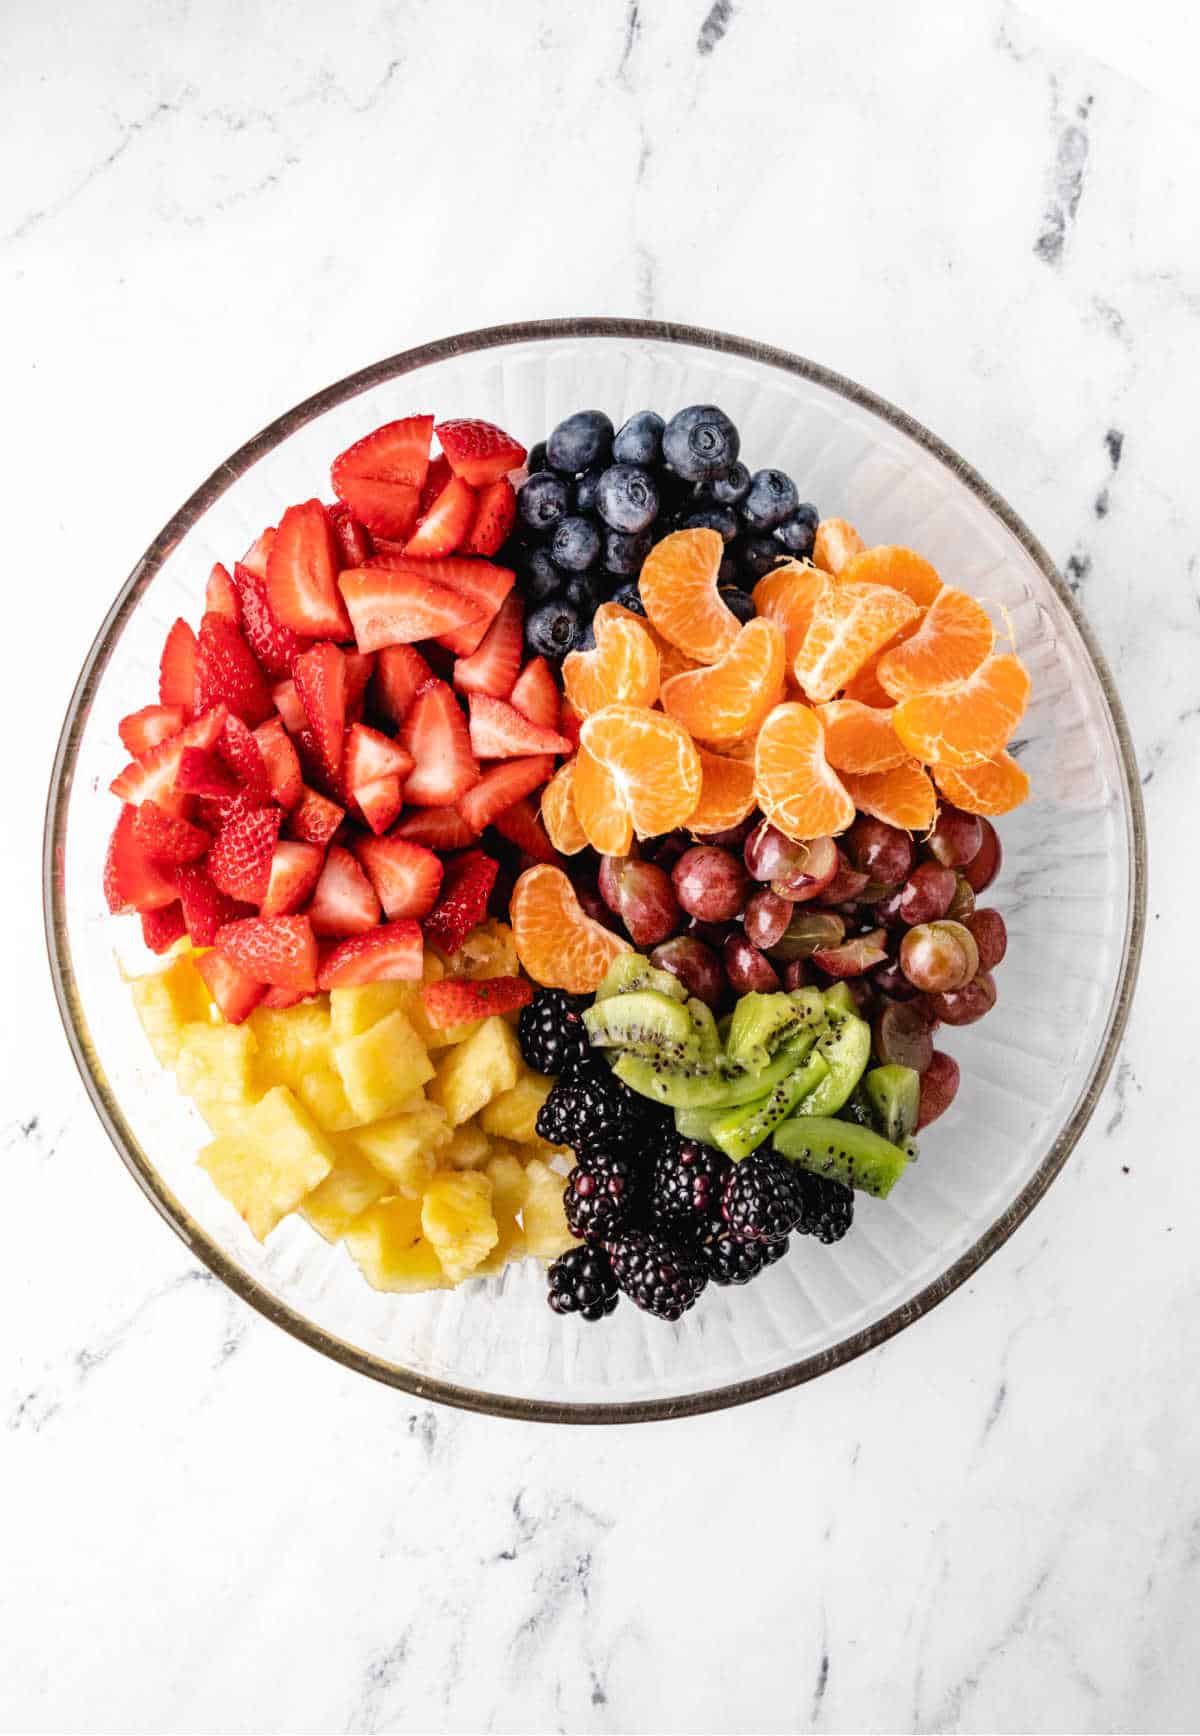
{"points": [[522, 827], [569, 721], [350, 540], [167, 838], [455, 1001], [494, 518], [162, 928], [281, 999], [302, 575], [288, 705], [501, 786], [400, 672], [406, 876], [436, 478], [132, 881], [152, 777], [202, 774], [392, 953], [344, 902], [314, 819], [478, 451], [220, 597], [498, 731], [493, 667], [320, 677], [439, 828], [177, 669], [278, 950], [257, 555], [227, 673], [238, 748], [235, 993], [144, 729], [281, 761], [240, 859], [395, 452], [445, 524], [388, 509], [275, 646], [370, 755], [380, 802], [360, 666], [397, 608], [205, 907], [535, 694], [295, 870], [466, 888], [435, 734], [481, 582]]}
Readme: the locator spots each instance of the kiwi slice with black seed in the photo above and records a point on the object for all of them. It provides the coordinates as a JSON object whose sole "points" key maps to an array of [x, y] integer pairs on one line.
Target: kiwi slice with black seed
{"points": [[763, 1023], [644, 1022], [631, 972], [740, 1131], [858, 1157]]}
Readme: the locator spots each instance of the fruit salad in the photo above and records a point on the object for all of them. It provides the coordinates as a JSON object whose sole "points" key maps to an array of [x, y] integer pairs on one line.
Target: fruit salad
{"points": [[568, 855]]}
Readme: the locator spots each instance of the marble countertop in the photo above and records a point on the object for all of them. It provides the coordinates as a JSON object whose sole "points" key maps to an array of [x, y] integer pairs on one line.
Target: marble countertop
{"points": [[992, 1523]]}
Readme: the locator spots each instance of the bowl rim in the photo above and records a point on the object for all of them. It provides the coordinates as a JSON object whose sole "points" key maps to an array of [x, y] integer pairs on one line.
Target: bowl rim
{"points": [[104, 1100]]}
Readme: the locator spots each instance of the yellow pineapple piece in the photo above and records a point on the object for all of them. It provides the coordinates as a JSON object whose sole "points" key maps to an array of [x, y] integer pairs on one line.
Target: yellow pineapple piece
{"points": [[545, 1221], [324, 1096], [474, 1072], [506, 1173], [383, 1067], [488, 951], [469, 1148], [389, 1247], [166, 1000], [556, 1157], [456, 1216], [355, 1010], [513, 1114], [351, 1186], [405, 1147], [216, 1065], [277, 1157]]}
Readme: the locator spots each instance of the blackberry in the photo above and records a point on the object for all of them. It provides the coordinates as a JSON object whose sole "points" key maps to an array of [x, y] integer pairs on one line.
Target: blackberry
{"points": [[732, 1262], [686, 1184], [589, 1109], [828, 1207], [661, 1277], [600, 1203], [763, 1198], [550, 1030], [582, 1282]]}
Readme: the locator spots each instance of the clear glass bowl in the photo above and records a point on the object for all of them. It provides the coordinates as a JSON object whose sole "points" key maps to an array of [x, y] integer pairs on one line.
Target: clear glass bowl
{"points": [[1072, 893]]}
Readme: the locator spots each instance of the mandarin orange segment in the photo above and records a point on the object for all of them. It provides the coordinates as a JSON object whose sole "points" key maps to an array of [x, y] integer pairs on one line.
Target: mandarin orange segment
{"points": [[903, 796], [995, 786], [850, 624], [726, 793], [678, 584], [866, 689], [671, 661], [558, 812], [558, 945], [797, 789], [651, 762], [898, 568], [788, 595], [860, 738], [600, 807], [950, 644], [623, 667], [835, 543], [729, 699], [962, 725]]}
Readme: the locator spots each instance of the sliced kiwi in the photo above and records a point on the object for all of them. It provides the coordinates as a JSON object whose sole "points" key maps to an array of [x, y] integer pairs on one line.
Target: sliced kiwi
{"points": [[739, 1131], [839, 1000], [894, 1097], [846, 1049], [631, 972], [718, 1086], [697, 1123], [856, 1156], [643, 1022], [704, 1029], [763, 1023]]}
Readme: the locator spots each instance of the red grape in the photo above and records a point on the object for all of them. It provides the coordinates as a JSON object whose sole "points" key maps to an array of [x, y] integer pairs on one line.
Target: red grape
{"points": [[733, 837], [796, 974], [927, 893], [748, 969], [963, 902], [939, 1087], [593, 905], [768, 854], [766, 918], [713, 934], [817, 872], [884, 853], [991, 937], [667, 850], [963, 1006], [862, 994], [643, 897], [710, 883], [853, 957], [847, 884], [902, 1036], [887, 909], [956, 837], [808, 930], [983, 868], [696, 965], [889, 979], [939, 955]]}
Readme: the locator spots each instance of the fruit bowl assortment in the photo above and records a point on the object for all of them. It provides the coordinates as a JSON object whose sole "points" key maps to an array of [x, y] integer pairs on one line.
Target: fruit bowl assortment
{"points": [[568, 855]]}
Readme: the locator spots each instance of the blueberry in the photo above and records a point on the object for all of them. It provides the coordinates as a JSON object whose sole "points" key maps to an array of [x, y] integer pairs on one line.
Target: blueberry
{"points": [[700, 443], [758, 554], [585, 593], [627, 497], [738, 602], [585, 489], [543, 499], [798, 532], [629, 597], [625, 550], [639, 440], [729, 572], [575, 545], [718, 518], [543, 579], [552, 630], [536, 459], [587, 637], [731, 489], [582, 440], [771, 499]]}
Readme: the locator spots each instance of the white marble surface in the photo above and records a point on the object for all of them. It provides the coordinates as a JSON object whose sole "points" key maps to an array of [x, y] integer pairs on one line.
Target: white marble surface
{"points": [[990, 1524]]}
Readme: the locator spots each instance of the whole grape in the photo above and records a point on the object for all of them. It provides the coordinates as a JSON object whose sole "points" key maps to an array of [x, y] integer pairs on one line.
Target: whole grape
{"points": [[710, 883]]}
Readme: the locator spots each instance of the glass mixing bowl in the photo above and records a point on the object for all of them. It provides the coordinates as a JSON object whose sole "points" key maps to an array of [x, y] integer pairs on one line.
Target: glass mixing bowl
{"points": [[1072, 892]]}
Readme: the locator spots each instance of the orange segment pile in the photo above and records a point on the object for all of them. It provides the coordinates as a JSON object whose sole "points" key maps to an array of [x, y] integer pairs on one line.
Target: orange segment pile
{"points": [[623, 668], [835, 543], [860, 738], [995, 786], [850, 624], [558, 944], [961, 725], [558, 812], [726, 793], [796, 788], [788, 595], [949, 645], [678, 584], [729, 699], [898, 568], [903, 796], [652, 771]]}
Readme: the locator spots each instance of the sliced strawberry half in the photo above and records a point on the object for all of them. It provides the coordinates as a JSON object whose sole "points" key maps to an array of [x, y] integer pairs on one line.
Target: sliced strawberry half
{"points": [[438, 828], [295, 870], [483, 582], [278, 950], [445, 524], [388, 509], [238, 748], [456, 1001], [380, 802], [522, 827], [495, 515], [201, 773], [406, 876], [320, 677], [395, 452], [132, 881], [350, 540], [281, 761], [144, 729], [239, 861], [394, 952], [205, 907], [344, 902], [314, 818], [162, 928], [436, 478], [462, 906], [256, 556], [167, 838], [220, 596], [177, 669], [360, 666], [281, 999], [478, 451], [302, 575], [227, 673], [398, 608], [535, 694], [400, 673], [499, 731], [501, 786], [235, 993], [152, 778], [494, 666], [435, 734], [275, 646], [287, 704], [370, 754]]}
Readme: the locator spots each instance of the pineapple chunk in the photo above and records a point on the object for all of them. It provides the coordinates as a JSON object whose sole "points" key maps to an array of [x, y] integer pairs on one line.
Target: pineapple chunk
{"points": [[545, 1221], [166, 1000], [513, 1114], [383, 1067], [389, 1248], [355, 1010], [469, 1148], [295, 1048], [506, 1173], [215, 1065], [488, 1063], [456, 1216], [324, 1096], [351, 1186], [403, 1148], [488, 951], [267, 1168]]}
